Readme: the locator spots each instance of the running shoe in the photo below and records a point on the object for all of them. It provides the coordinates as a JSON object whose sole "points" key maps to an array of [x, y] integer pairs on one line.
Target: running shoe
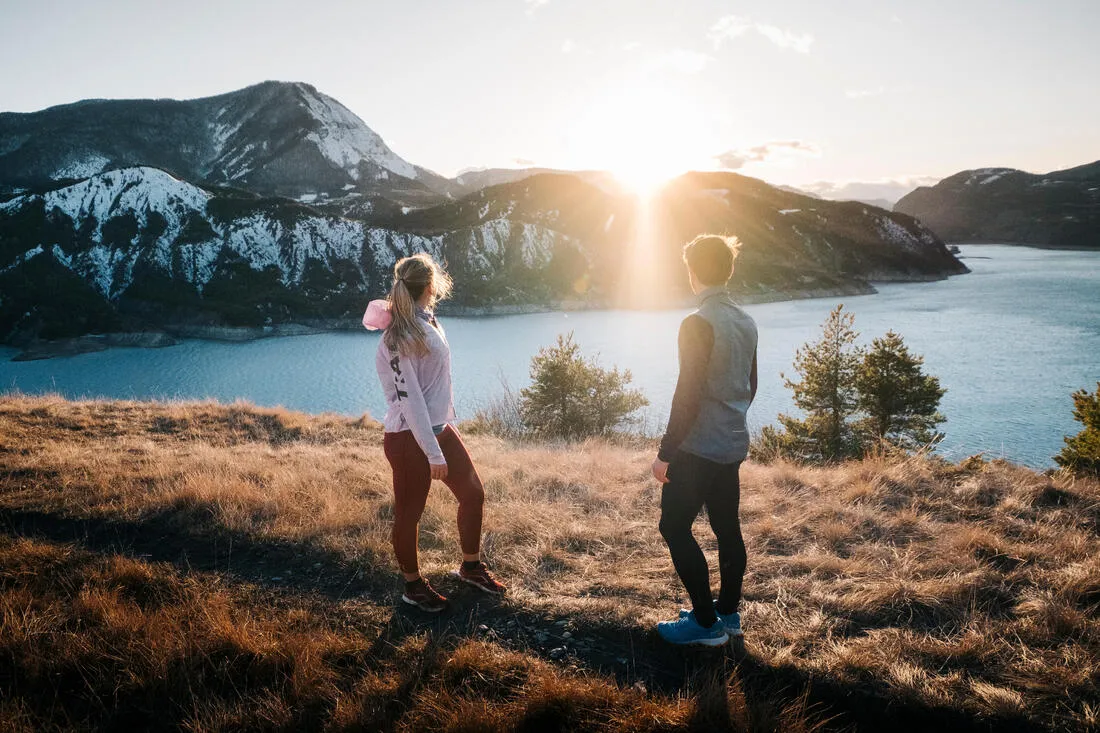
{"points": [[686, 630], [732, 621], [480, 577], [423, 596]]}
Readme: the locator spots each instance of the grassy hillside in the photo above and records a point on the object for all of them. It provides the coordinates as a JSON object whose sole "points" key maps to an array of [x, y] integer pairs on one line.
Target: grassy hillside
{"points": [[212, 567]]}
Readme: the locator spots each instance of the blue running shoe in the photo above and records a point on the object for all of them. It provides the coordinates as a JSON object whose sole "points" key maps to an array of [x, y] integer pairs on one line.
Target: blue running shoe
{"points": [[732, 621], [686, 630]]}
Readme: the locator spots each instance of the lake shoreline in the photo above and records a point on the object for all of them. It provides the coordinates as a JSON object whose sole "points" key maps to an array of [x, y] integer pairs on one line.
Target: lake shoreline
{"points": [[998, 243], [172, 335], [1007, 344]]}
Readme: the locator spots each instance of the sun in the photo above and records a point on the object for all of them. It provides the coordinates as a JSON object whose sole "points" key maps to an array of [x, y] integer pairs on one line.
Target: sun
{"points": [[644, 134]]}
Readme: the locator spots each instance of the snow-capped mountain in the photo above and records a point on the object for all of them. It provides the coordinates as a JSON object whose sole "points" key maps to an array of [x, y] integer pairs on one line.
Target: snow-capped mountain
{"points": [[273, 138], [276, 204], [142, 245], [139, 248]]}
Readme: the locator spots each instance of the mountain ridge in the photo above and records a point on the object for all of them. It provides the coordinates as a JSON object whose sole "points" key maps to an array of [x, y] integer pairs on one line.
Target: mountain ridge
{"points": [[279, 138], [290, 215], [1060, 209]]}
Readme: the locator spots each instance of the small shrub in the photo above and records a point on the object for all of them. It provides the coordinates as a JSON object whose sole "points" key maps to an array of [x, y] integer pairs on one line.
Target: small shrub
{"points": [[572, 397], [769, 445], [500, 416], [1081, 456]]}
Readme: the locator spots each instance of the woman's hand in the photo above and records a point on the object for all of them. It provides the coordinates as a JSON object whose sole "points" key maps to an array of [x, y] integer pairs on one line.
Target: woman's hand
{"points": [[439, 471], [660, 471]]}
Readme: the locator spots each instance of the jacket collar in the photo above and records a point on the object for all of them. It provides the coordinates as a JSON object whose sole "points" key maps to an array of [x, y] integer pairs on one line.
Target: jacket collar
{"points": [[425, 315], [713, 291]]}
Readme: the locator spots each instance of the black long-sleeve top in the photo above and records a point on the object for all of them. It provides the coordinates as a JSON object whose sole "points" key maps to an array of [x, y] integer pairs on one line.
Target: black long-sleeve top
{"points": [[696, 341]]}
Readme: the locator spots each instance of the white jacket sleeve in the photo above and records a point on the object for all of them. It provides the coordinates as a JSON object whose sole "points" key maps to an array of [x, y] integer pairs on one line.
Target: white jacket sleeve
{"points": [[414, 409]]}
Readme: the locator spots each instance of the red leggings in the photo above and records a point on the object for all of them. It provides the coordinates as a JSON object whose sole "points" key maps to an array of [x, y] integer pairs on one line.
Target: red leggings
{"points": [[412, 478]]}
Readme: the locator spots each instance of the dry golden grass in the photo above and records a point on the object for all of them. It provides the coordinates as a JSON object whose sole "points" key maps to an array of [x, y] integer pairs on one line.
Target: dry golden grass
{"points": [[217, 567]]}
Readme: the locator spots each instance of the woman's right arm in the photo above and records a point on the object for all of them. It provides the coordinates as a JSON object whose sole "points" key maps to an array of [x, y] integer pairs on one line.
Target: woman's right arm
{"points": [[410, 400]]}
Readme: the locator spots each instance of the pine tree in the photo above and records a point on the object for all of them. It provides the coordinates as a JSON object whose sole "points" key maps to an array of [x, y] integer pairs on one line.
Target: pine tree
{"points": [[1082, 452], [899, 401], [826, 393], [572, 397]]}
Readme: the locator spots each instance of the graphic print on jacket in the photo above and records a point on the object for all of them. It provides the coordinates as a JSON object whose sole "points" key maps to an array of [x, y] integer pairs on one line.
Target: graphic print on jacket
{"points": [[417, 388], [398, 380]]}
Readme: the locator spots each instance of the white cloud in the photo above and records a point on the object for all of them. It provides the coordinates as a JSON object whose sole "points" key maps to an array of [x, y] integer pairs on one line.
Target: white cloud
{"points": [[800, 42], [533, 5], [734, 26], [632, 45], [525, 162], [682, 60], [568, 46], [737, 158], [728, 26]]}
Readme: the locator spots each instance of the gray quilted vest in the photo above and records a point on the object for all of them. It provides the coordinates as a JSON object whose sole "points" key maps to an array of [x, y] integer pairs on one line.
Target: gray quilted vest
{"points": [[720, 433]]}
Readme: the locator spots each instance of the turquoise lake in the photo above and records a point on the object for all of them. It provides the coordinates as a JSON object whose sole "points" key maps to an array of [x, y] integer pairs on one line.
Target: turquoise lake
{"points": [[1010, 341]]}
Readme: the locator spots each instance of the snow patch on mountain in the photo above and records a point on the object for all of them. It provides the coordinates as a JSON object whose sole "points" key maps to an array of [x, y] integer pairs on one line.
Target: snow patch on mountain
{"points": [[260, 239], [982, 176], [266, 242], [221, 131], [891, 231], [30, 254], [490, 243], [108, 269], [136, 190], [84, 167], [346, 140]]}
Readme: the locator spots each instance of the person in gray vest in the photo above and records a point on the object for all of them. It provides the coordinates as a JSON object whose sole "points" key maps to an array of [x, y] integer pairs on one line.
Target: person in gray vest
{"points": [[700, 456]]}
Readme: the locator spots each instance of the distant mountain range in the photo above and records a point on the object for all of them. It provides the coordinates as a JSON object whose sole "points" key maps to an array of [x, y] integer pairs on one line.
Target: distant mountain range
{"points": [[1057, 209], [275, 204], [882, 193]]}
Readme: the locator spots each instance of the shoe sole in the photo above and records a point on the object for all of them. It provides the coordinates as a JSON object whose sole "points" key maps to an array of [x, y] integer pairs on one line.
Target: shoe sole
{"points": [[422, 607], [476, 584]]}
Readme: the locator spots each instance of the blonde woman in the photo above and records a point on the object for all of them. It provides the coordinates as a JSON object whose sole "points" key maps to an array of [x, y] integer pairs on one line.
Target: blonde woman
{"points": [[414, 367]]}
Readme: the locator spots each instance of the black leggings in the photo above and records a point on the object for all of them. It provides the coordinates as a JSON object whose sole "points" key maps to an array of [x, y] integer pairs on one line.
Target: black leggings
{"points": [[695, 482]]}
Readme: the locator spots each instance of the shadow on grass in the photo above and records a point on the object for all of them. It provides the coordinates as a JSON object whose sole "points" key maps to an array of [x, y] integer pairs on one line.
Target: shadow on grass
{"points": [[632, 656]]}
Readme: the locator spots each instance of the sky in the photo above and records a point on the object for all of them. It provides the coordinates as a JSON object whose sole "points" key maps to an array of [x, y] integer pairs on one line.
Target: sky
{"points": [[797, 92]]}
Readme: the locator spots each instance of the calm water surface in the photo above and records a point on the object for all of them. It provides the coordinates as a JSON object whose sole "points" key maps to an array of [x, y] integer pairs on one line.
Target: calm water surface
{"points": [[1010, 341]]}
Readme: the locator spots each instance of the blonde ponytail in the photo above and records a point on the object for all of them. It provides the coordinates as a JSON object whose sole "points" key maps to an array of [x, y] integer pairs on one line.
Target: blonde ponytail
{"points": [[411, 276]]}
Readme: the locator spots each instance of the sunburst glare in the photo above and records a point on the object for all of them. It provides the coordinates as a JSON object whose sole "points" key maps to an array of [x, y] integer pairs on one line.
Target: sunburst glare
{"points": [[644, 134]]}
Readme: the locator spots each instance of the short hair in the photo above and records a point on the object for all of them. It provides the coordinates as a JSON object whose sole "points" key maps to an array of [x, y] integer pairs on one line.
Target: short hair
{"points": [[711, 256]]}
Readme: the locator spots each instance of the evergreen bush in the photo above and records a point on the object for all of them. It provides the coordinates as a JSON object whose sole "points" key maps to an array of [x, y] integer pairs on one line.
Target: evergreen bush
{"points": [[572, 397], [1081, 456]]}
